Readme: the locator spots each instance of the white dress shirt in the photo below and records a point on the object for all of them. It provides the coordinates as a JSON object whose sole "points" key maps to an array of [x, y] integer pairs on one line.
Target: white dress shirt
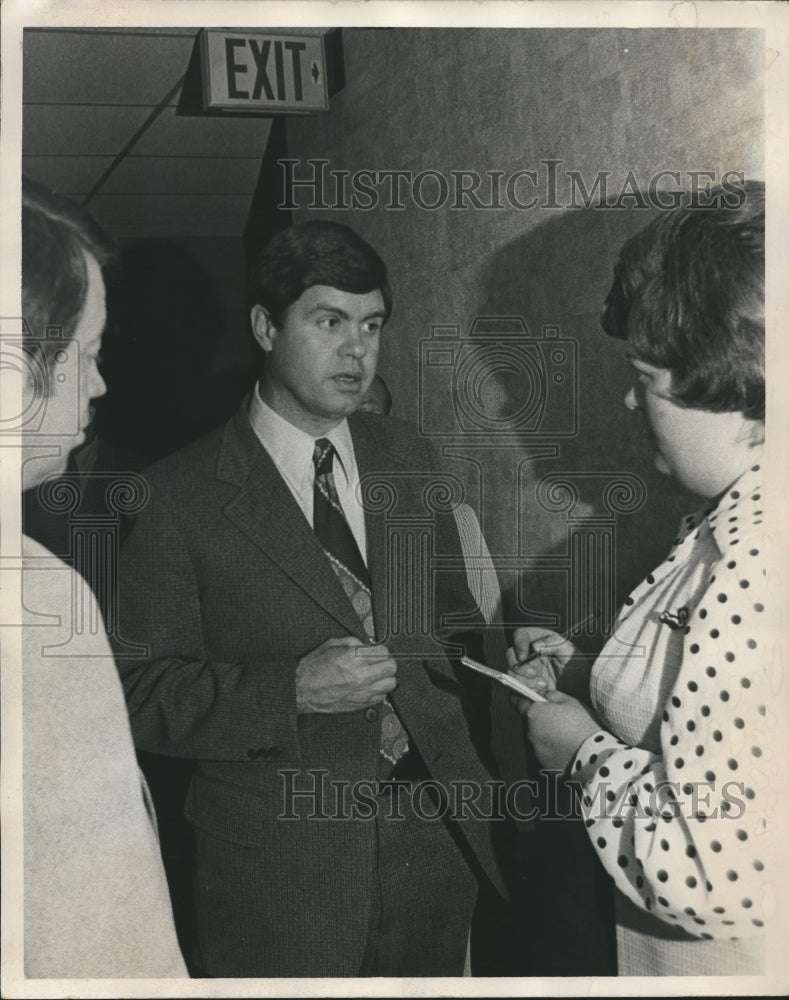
{"points": [[291, 450]]}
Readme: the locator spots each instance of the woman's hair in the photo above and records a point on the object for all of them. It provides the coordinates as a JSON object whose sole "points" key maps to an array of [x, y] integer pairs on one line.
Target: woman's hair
{"points": [[315, 253], [56, 236], [688, 295]]}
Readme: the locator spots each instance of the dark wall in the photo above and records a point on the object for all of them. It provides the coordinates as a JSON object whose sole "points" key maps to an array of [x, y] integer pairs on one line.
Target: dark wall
{"points": [[177, 356], [508, 100], [223, 259]]}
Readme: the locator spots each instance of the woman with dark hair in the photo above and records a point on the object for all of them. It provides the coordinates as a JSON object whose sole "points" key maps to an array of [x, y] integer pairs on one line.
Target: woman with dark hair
{"points": [[95, 897], [666, 742]]}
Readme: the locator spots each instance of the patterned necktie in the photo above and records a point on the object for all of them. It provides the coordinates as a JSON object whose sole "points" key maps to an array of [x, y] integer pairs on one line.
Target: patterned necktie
{"points": [[335, 535]]}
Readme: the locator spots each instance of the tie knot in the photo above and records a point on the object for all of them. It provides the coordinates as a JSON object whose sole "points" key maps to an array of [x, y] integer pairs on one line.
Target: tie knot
{"points": [[323, 455]]}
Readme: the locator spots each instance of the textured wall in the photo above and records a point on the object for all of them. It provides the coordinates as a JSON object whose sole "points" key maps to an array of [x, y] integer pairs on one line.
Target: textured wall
{"points": [[505, 100]]}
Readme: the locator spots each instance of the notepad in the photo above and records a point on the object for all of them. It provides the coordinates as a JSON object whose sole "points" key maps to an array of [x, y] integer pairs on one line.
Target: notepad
{"points": [[511, 682]]}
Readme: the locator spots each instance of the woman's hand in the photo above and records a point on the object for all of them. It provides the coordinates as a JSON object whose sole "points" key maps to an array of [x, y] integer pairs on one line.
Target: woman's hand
{"points": [[547, 662], [557, 727], [539, 656]]}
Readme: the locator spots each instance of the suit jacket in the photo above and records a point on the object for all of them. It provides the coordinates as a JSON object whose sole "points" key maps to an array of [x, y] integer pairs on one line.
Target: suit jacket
{"points": [[225, 582]]}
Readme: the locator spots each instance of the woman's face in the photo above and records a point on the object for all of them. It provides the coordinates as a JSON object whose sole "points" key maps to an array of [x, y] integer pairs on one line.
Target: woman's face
{"points": [[703, 451], [74, 380]]}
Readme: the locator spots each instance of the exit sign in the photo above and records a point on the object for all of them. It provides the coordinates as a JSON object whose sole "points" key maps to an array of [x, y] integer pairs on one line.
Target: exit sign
{"points": [[255, 71]]}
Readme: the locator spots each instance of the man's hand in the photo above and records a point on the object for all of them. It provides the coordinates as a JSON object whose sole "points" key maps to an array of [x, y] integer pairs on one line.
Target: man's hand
{"points": [[557, 727], [343, 675]]}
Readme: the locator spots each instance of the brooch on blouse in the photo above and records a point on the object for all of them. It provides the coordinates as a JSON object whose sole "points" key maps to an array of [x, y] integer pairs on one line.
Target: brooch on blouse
{"points": [[674, 621]]}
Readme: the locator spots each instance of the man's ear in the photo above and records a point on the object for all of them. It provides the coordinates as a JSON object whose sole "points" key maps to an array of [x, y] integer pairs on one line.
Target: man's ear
{"points": [[263, 329]]}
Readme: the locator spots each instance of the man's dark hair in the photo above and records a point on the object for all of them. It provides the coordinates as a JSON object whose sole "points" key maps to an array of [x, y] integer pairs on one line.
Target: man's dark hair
{"points": [[688, 295], [315, 253], [56, 236]]}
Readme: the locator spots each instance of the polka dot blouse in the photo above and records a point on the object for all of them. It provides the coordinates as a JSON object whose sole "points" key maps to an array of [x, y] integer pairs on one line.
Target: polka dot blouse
{"points": [[673, 790]]}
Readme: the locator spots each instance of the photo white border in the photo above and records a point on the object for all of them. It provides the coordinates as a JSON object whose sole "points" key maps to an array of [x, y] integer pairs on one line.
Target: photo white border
{"points": [[772, 16]]}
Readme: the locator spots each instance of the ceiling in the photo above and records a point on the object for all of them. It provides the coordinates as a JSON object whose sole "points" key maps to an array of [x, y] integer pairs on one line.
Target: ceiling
{"points": [[100, 125]]}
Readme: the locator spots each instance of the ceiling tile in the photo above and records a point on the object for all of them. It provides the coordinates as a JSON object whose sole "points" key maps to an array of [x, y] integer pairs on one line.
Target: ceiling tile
{"points": [[218, 215], [182, 175], [70, 175], [204, 136], [52, 130], [95, 68]]}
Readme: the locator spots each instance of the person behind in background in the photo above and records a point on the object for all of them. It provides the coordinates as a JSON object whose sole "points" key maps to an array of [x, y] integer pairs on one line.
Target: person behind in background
{"points": [[377, 399], [95, 896], [666, 742]]}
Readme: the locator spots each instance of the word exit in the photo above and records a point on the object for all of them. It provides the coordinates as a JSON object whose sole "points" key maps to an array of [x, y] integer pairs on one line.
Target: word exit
{"points": [[252, 71]]}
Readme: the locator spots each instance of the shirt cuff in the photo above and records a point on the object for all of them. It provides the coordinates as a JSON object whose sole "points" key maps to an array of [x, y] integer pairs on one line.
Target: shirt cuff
{"points": [[593, 752]]}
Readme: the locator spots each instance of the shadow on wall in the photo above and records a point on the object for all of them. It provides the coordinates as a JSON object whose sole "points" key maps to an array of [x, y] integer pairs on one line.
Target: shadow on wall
{"points": [[600, 497]]}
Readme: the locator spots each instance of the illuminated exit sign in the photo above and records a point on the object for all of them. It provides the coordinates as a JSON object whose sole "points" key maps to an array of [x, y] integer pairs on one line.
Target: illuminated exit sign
{"points": [[255, 71]]}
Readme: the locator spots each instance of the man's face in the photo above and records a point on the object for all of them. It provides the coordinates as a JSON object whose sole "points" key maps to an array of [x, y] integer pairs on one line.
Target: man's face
{"points": [[69, 397], [321, 358]]}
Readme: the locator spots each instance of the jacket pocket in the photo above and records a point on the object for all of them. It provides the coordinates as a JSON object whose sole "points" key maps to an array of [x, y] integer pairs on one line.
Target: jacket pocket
{"points": [[226, 812]]}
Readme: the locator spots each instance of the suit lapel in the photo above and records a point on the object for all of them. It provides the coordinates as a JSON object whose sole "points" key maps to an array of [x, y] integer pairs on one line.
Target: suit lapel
{"points": [[374, 458], [267, 513]]}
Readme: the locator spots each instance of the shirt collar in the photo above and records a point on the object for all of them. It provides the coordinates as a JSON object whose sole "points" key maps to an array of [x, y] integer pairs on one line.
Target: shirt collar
{"points": [[292, 448], [340, 437], [741, 504]]}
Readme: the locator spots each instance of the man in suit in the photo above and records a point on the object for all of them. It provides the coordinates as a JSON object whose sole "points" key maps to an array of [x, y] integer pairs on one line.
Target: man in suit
{"points": [[282, 661]]}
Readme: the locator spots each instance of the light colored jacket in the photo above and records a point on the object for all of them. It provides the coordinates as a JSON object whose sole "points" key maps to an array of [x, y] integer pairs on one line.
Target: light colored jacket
{"points": [[96, 902]]}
